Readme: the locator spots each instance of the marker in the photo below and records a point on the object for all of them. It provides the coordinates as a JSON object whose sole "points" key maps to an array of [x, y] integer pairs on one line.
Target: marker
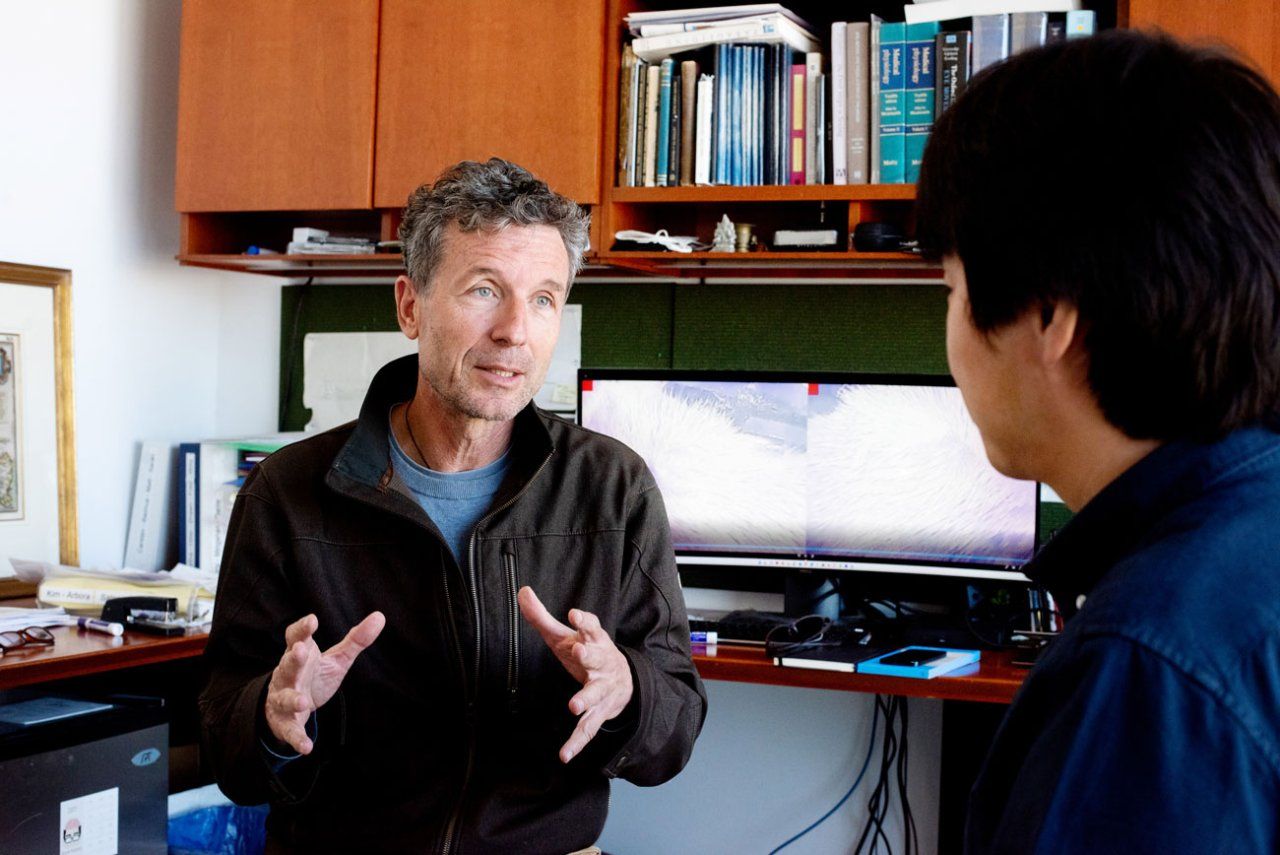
{"points": [[103, 626], [699, 637]]}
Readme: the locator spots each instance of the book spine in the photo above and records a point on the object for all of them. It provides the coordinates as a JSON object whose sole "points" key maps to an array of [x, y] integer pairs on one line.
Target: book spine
{"points": [[812, 68], [665, 71], [189, 503], [719, 116], [797, 165], [651, 126], [953, 67], [839, 103], [1081, 23], [873, 102], [921, 92], [689, 97], [1056, 29], [857, 113], [822, 147], [735, 116], [1027, 30], [626, 116], [702, 140], [990, 40], [782, 153], [758, 114], [892, 116], [677, 119]]}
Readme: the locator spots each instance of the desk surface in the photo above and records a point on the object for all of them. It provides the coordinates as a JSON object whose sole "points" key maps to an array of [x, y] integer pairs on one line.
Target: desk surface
{"points": [[77, 653], [993, 680]]}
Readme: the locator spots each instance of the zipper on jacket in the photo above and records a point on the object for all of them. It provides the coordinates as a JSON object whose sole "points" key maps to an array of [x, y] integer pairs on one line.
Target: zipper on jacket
{"points": [[452, 828], [470, 716], [513, 649]]}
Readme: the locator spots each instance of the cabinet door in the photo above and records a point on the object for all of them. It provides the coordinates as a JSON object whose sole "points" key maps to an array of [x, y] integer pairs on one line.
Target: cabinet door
{"points": [[1250, 26], [275, 104], [472, 79]]}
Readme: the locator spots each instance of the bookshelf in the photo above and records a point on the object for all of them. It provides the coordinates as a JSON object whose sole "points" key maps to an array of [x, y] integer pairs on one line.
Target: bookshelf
{"points": [[696, 209], [250, 169]]}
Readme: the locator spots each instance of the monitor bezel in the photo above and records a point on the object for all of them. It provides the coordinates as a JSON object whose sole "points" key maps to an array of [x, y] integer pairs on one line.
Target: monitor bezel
{"points": [[761, 563]]}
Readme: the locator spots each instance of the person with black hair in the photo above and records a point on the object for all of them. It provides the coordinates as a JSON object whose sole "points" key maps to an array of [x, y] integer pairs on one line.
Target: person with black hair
{"points": [[1107, 212]]}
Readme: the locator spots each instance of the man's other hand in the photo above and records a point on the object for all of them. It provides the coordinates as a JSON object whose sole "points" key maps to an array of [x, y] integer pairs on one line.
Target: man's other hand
{"points": [[589, 654], [306, 679]]}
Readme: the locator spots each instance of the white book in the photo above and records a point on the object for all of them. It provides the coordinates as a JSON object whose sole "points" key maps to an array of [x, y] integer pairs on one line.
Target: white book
{"points": [[702, 138], [990, 41], [812, 132], [839, 103], [651, 126], [635, 20], [648, 30], [873, 105], [775, 29], [149, 520], [947, 10]]}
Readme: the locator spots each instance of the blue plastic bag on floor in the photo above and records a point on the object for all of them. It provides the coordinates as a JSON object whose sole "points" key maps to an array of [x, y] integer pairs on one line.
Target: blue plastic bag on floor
{"points": [[219, 830]]}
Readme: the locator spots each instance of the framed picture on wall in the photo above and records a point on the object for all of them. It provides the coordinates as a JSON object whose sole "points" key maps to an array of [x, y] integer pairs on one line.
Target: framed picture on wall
{"points": [[38, 519]]}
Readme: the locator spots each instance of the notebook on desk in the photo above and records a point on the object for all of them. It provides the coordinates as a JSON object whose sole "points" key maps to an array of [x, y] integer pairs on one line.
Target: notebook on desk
{"points": [[843, 657]]}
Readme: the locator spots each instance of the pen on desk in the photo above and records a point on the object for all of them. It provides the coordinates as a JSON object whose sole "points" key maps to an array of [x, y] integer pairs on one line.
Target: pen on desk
{"points": [[103, 626], [699, 637]]}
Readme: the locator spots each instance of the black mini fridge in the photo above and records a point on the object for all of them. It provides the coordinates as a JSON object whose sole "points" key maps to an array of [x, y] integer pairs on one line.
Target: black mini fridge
{"points": [[83, 777]]}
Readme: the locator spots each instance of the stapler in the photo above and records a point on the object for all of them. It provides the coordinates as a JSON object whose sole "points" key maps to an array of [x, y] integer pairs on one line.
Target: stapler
{"points": [[154, 615]]}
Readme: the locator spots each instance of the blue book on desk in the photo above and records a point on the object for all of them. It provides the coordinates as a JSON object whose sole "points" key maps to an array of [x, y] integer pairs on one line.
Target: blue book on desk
{"points": [[951, 660]]}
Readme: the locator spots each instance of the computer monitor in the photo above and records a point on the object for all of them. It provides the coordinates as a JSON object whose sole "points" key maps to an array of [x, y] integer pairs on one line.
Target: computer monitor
{"points": [[819, 472]]}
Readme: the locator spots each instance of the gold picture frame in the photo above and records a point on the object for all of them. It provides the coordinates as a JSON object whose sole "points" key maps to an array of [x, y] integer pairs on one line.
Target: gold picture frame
{"points": [[49, 423]]}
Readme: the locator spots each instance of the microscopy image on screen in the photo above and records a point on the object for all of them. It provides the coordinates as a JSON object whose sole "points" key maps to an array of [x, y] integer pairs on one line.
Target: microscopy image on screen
{"points": [[729, 458], [899, 472]]}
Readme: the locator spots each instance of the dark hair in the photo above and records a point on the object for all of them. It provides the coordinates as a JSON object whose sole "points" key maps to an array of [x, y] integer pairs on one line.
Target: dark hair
{"points": [[1139, 180], [491, 195]]}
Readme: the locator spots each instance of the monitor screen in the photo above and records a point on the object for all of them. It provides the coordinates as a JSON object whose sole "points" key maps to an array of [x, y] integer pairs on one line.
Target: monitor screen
{"points": [[826, 472]]}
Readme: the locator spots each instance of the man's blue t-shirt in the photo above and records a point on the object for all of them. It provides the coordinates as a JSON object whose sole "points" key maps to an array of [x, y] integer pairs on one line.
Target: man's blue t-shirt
{"points": [[455, 501]]}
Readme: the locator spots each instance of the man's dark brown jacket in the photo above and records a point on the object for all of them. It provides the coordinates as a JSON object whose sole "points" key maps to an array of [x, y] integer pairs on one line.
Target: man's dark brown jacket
{"points": [[445, 734]]}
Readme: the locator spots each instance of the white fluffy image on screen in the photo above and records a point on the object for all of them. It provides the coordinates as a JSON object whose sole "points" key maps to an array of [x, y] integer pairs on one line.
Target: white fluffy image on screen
{"points": [[728, 457], [900, 472]]}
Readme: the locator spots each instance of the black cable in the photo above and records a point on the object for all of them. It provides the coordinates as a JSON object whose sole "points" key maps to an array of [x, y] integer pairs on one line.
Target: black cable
{"points": [[911, 840], [878, 804]]}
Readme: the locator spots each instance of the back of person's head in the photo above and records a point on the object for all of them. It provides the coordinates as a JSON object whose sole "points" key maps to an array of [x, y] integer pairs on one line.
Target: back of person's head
{"points": [[486, 196], [1138, 180]]}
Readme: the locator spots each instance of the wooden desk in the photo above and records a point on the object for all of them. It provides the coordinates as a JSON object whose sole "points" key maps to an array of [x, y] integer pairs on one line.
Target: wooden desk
{"points": [[77, 653], [993, 680]]}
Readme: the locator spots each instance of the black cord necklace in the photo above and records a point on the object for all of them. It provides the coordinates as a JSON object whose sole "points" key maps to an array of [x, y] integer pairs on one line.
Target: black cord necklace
{"points": [[408, 426]]}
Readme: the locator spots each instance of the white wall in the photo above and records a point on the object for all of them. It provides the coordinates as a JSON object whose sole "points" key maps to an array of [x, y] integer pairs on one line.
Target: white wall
{"points": [[88, 92]]}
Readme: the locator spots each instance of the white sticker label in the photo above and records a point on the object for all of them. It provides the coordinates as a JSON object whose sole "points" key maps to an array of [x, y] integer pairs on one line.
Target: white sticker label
{"points": [[90, 824]]}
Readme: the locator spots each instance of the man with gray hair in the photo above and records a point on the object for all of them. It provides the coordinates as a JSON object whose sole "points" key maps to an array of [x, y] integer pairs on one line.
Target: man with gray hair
{"points": [[445, 626]]}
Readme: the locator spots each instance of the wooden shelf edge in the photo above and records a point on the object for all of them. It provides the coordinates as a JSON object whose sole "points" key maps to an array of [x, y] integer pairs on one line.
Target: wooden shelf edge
{"points": [[770, 193]]}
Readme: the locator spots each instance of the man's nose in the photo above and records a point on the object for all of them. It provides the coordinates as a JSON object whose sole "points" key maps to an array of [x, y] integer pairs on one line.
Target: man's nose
{"points": [[511, 324]]}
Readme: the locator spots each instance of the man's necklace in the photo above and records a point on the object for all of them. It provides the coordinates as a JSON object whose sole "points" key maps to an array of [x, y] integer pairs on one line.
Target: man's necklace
{"points": [[408, 425]]}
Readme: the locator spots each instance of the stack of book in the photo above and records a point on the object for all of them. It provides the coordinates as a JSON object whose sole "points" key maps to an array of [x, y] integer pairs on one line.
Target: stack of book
{"points": [[756, 101], [307, 241]]}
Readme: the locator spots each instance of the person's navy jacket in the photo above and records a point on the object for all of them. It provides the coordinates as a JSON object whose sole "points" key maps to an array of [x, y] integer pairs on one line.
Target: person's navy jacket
{"points": [[1153, 723]]}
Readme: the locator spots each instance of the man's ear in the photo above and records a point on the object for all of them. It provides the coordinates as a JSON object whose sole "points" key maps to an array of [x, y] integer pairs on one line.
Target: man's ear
{"points": [[406, 306], [1059, 329]]}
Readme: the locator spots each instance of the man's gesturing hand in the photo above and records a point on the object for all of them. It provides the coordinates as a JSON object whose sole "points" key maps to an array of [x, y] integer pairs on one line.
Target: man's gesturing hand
{"points": [[306, 679], [588, 653]]}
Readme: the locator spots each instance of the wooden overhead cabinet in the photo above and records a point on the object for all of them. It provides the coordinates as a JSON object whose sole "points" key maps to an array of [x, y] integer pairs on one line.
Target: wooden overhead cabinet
{"points": [[276, 105], [471, 79], [1249, 26]]}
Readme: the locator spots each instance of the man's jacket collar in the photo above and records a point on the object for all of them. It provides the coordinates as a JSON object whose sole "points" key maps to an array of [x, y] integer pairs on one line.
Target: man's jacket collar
{"points": [[363, 467]]}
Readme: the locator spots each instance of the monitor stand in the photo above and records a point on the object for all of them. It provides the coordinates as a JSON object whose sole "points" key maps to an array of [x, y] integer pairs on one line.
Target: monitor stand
{"points": [[810, 594]]}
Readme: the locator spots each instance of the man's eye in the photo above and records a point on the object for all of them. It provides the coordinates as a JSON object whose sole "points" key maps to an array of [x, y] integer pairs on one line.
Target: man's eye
{"points": [[484, 291], [544, 301]]}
